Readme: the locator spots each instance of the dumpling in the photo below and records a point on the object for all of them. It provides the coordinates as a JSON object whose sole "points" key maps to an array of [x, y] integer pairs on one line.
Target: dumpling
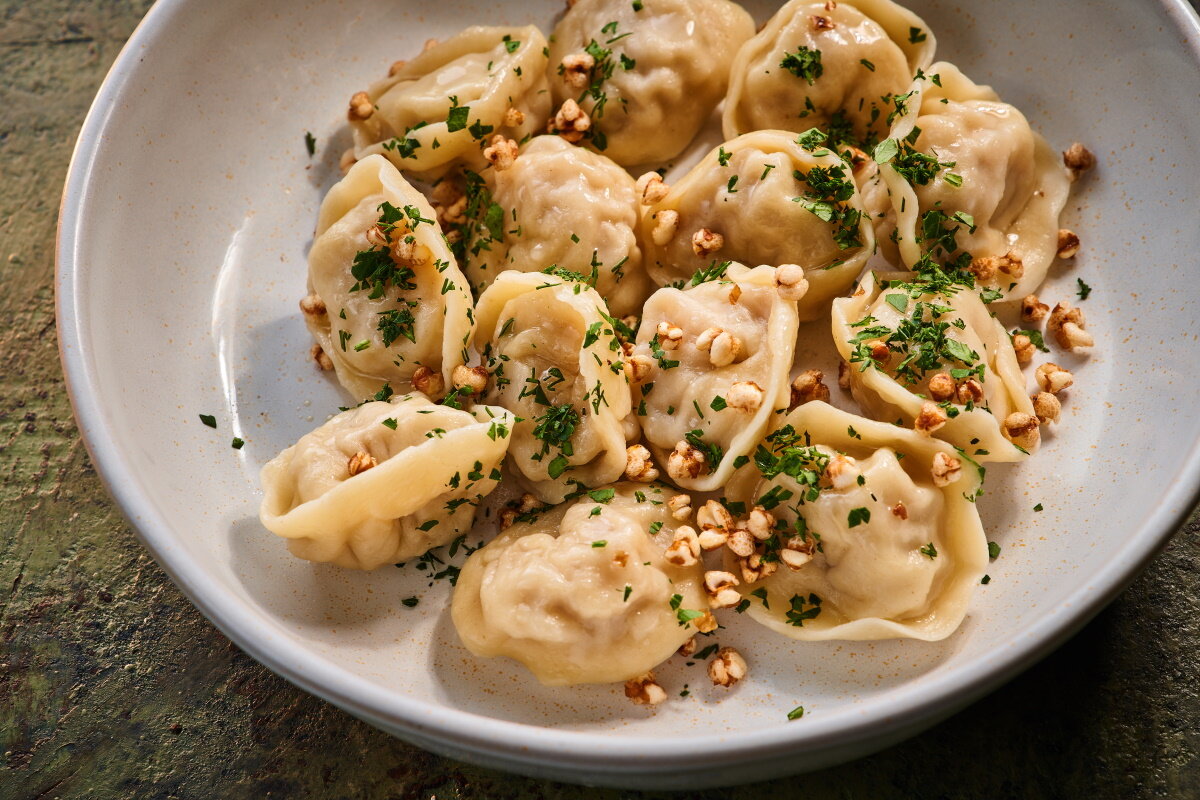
{"points": [[834, 66], [763, 198], [385, 481], [583, 593], [711, 367], [927, 353], [446, 104], [386, 300], [868, 531], [555, 361], [558, 205], [977, 186], [646, 75]]}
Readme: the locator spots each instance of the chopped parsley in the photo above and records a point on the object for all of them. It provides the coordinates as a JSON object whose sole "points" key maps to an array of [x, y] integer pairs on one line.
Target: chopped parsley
{"points": [[555, 428], [796, 713], [858, 516], [712, 452], [209, 420], [804, 63], [684, 615], [390, 422], [930, 551], [826, 198], [457, 118], [713, 272], [602, 495], [1084, 290], [914, 166], [238, 443], [798, 614], [310, 144], [1035, 338], [993, 550], [397, 323], [374, 267]]}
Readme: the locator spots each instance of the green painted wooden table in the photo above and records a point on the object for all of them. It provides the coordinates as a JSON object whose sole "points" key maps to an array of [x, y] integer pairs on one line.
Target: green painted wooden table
{"points": [[113, 686]]}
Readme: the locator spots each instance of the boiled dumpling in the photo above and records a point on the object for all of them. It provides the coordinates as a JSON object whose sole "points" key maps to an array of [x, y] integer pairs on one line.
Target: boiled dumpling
{"points": [[386, 301], [444, 106], [928, 354], [385, 481], [646, 75], [768, 197], [833, 66], [972, 183], [555, 361], [868, 531], [583, 593], [559, 205], [711, 368]]}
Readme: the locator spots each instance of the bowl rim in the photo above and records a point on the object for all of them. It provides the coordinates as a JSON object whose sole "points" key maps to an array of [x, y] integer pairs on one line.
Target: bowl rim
{"points": [[908, 708]]}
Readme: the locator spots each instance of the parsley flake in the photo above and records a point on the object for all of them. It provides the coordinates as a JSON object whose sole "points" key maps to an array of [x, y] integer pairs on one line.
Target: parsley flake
{"points": [[804, 63], [858, 516]]}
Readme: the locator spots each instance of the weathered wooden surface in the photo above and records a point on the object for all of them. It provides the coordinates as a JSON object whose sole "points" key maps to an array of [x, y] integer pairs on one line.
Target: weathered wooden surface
{"points": [[113, 686]]}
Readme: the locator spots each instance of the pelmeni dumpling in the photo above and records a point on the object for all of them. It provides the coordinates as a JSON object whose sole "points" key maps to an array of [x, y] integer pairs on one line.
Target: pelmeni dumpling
{"points": [[446, 104], [385, 481], [385, 295], [764, 198], [646, 74], [555, 362], [711, 366], [870, 530], [583, 594], [825, 65], [929, 354], [560, 205], [977, 182]]}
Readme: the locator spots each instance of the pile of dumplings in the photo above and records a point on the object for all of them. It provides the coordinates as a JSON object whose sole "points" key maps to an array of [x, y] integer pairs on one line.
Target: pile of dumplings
{"points": [[514, 309]]}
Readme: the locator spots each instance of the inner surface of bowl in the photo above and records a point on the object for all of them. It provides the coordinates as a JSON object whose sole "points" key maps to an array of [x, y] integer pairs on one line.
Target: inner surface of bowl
{"points": [[189, 215]]}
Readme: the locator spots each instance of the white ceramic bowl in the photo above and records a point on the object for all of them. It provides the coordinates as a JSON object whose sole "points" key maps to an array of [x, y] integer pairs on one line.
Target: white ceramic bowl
{"points": [[186, 220]]}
